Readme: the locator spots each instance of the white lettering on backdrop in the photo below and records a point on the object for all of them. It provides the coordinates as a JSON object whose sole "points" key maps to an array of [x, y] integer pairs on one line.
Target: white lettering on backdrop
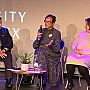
{"points": [[12, 15]]}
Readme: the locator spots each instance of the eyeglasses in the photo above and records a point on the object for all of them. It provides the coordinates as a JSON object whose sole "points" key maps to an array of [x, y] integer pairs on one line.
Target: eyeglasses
{"points": [[47, 21]]}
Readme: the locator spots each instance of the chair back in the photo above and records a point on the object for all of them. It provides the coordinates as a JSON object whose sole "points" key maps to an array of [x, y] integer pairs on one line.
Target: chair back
{"points": [[61, 44]]}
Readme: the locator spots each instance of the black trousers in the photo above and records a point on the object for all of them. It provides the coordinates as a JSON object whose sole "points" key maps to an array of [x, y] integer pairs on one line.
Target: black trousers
{"points": [[8, 64], [82, 70]]}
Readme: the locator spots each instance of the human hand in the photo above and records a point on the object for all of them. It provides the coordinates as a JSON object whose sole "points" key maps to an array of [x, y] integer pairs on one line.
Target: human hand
{"points": [[1, 51], [39, 35], [50, 43], [3, 55], [78, 51]]}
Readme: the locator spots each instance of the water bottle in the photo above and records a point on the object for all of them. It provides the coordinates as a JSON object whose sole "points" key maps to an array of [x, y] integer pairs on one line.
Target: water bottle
{"points": [[35, 63], [0, 45]]}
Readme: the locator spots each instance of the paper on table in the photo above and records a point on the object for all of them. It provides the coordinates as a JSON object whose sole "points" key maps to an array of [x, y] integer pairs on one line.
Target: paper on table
{"points": [[34, 71], [13, 70]]}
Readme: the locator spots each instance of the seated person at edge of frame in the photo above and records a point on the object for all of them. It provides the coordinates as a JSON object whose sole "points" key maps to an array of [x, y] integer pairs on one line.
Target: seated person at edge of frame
{"points": [[80, 58], [47, 45], [6, 44]]}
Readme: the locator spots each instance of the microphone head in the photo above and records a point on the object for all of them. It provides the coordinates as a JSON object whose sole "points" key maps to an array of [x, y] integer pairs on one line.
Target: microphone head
{"points": [[40, 28], [40, 25]]}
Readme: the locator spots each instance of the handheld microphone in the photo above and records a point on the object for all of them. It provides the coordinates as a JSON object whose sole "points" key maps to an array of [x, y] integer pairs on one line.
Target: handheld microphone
{"points": [[40, 28]]}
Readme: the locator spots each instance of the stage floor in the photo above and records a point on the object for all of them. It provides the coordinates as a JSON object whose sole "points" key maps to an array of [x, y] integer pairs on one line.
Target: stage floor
{"points": [[34, 87]]}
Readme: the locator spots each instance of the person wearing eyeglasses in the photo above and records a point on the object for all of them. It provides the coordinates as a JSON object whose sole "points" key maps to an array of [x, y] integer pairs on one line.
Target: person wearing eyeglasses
{"points": [[47, 45]]}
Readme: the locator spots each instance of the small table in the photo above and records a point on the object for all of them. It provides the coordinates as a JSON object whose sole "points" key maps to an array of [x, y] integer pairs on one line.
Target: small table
{"points": [[30, 72]]}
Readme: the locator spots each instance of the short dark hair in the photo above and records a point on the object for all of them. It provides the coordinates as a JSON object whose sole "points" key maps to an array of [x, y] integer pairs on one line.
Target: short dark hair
{"points": [[52, 16], [0, 17], [88, 22]]}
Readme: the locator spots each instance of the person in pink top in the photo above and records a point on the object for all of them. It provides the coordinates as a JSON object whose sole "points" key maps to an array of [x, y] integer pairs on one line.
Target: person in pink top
{"points": [[80, 57]]}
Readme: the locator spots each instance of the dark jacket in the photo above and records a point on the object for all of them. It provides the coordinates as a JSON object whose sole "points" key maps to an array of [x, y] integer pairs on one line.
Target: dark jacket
{"points": [[54, 50], [6, 39]]}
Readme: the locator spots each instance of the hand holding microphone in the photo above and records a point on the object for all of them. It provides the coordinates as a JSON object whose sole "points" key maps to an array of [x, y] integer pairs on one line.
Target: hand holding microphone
{"points": [[39, 34]]}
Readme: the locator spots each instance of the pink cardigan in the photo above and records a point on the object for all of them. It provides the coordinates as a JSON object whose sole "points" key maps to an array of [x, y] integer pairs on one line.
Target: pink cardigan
{"points": [[81, 42]]}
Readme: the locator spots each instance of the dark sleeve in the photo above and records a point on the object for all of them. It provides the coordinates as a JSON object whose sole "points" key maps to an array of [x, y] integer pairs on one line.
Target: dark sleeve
{"points": [[56, 46], [36, 44], [8, 41]]}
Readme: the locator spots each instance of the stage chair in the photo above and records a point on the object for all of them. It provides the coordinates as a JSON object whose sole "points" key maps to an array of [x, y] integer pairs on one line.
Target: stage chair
{"points": [[76, 73], [63, 57]]}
